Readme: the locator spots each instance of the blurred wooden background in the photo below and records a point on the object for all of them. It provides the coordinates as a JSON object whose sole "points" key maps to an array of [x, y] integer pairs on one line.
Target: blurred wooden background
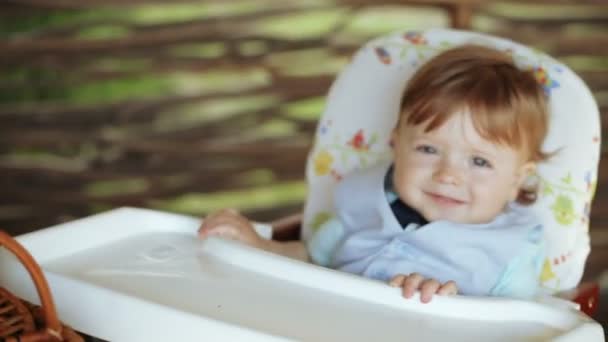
{"points": [[197, 105]]}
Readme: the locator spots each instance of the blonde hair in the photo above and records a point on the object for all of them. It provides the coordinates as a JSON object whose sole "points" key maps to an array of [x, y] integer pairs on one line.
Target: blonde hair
{"points": [[506, 104]]}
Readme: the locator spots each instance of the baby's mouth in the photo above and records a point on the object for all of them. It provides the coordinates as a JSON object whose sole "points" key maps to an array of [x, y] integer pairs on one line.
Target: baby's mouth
{"points": [[443, 199]]}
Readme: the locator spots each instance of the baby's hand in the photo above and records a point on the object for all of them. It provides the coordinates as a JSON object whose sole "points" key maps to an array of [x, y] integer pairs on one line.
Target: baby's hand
{"points": [[428, 287], [229, 224]]}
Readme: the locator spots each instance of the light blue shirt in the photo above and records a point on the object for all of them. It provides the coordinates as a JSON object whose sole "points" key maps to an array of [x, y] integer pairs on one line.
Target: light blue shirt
{"points": [[500, 258]]}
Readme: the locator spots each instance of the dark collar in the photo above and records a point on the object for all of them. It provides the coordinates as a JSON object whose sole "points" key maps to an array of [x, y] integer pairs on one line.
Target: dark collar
{"points": [[403, 212]]}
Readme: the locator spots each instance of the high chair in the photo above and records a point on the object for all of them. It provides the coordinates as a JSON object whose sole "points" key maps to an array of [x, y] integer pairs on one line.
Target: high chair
{"points": [[361, 110], [142, 275]]}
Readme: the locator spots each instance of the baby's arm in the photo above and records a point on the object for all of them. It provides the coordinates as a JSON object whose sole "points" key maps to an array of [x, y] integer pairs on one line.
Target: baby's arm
{"points": [[428, 287], [229, 224]]}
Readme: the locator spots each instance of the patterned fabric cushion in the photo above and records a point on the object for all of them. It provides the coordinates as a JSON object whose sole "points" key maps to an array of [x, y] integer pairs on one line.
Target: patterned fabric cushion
{"points": [[362, 108]]}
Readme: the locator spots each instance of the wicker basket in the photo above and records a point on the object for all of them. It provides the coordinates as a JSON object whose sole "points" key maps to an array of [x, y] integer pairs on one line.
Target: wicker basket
{"points": [[22, 321]]}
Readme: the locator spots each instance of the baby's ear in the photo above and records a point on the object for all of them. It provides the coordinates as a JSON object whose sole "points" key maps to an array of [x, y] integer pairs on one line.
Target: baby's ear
{"points": [[527, 174], [527, 183]]}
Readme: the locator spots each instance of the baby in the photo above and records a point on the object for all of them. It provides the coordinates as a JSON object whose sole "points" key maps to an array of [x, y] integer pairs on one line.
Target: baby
{"points": [[448, 213]]}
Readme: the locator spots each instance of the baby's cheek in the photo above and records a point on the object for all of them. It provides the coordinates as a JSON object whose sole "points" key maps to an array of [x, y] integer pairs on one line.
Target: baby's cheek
{"points": [[487, 190], [494, 197], [416, 160]]}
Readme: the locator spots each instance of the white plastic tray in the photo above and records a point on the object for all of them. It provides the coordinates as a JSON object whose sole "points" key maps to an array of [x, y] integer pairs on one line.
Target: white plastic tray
{"points": [[141, 275]]}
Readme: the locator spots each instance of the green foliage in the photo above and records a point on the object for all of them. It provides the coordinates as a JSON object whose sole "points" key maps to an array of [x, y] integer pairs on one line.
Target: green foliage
{"points": [[275, 128], [253, 198], [48, 85], [307, 109], [42, 159], [99, 32], [257, 177], [34, 84], [539, 11], [114, 77], [378, 20], [211, 111], [307, 63], [117, 187], [114, 90], [210, 50], [11, 26], [308, 24], [176, 12], [586, 63], [16, 25]]}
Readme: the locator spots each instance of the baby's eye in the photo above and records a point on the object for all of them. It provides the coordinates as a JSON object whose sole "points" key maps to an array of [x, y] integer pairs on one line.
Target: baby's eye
{"points": [[428, 149], [481, 162]]}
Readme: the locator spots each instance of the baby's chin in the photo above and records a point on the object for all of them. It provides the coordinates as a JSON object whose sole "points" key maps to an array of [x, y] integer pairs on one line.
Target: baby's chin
{"points": [[460, 213], [455, 218]]}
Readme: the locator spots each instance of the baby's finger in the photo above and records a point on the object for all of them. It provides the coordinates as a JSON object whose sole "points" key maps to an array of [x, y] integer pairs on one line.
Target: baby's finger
{"points": [[411, 284], [208, 229], [427, 289], [223, 231], [448, 289], [228, 212], [231, 211], [397, 280], [209, 219], [226, 232], [228, 215], [242, 221], [211, 223], [219, 213]]}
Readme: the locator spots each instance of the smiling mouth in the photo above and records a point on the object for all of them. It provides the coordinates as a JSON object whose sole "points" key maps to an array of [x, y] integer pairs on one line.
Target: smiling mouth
{"points": [[444, 200]]}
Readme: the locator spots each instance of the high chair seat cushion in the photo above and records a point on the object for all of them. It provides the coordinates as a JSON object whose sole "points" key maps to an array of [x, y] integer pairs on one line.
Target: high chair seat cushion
{"points": [[362, 108]]}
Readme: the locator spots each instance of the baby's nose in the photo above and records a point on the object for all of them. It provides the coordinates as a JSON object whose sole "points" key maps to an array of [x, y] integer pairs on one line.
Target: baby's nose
{"points": [[448, 173]]}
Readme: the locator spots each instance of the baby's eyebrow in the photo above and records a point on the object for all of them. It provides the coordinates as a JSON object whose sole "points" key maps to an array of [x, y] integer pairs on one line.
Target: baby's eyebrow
{"points": [[484, 153], [424, 135]]}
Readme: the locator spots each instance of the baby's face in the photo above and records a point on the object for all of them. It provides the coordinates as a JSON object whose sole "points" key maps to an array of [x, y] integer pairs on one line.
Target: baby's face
{"points": [[452, 173]]}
